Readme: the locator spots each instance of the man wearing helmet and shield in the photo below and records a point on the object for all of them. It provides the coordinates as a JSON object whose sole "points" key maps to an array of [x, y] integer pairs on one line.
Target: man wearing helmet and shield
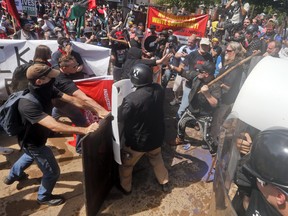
{"points": [[267, 166], [143, 117]]}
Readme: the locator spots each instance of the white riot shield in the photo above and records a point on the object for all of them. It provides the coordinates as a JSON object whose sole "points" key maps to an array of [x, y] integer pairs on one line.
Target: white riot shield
{"points": [[261, 103], [120, 90]]}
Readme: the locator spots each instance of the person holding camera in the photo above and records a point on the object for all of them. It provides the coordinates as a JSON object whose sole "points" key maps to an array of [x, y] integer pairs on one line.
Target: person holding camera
{"points": [[179, 58], [237, 10], [171, 46]]}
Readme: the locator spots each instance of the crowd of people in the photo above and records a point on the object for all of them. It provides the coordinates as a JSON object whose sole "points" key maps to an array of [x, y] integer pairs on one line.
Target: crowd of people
{"points": [[229, 39]]}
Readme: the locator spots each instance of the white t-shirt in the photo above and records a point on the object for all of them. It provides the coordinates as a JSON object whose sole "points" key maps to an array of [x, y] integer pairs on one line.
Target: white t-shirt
{"points": [[237, 15]]}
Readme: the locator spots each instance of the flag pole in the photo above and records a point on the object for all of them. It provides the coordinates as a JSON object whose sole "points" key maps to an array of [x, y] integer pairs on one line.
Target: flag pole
{"points": [[14, 24]]}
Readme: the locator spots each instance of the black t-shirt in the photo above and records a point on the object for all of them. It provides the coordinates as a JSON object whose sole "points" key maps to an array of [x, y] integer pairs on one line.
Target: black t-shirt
{"points": [[199, 105], [64, 82], [233, 80], [32, 113], [193, 59]]}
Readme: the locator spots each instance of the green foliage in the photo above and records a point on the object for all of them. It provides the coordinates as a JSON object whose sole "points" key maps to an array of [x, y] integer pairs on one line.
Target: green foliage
{"points": [[189, 5]]}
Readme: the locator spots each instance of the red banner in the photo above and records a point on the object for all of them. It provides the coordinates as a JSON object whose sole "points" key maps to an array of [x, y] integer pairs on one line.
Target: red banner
{"points": [[99, 89], [181, 25]]}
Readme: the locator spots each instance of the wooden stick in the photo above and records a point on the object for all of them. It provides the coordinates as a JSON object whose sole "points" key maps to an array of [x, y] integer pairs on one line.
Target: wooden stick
{"points": [[14, 24], [232, 68]]}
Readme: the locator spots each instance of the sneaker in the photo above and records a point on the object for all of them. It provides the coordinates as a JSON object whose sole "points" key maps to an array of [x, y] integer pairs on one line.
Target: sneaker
{"points": [[8, 181], [53, 200], [187, 146], [174, 102], [6, 151]]}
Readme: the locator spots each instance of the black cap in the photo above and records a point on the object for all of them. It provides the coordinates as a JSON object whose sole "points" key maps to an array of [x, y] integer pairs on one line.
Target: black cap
{"points": [[208, 67]]}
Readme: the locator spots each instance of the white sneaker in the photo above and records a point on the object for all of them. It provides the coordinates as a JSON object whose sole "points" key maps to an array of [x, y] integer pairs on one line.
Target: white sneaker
{"points": [[5, 151], [174, 102]]}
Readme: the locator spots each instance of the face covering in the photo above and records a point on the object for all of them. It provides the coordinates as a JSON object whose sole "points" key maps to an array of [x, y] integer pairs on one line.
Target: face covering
{"points": [[43, 93]]}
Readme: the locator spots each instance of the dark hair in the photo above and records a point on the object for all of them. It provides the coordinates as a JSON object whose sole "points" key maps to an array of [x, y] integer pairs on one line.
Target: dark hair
{"points": [[65, 60], [42, 53]]}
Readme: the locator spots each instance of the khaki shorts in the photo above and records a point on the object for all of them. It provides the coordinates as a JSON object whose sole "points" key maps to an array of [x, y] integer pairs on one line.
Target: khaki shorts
{"points": [[179, 80]]}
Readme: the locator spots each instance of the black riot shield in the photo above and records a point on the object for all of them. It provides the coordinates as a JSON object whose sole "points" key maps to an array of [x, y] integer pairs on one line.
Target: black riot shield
{"points": [[149, 42], [98, 166]]}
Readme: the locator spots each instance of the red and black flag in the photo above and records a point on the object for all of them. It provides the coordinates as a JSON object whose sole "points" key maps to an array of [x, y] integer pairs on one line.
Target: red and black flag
{"points": [[10, 7]]}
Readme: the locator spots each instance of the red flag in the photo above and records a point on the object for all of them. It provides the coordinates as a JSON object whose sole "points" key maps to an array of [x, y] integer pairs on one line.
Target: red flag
{"points": [[12, 10], [92, 4]]}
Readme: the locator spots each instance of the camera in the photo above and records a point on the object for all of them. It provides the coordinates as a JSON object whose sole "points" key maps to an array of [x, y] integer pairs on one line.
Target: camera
{"points": [[184, 50]]}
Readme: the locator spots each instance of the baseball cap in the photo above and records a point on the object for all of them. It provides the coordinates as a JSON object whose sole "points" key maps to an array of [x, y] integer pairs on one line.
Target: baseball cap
{"points": [[215, 40], [208, 67], [205, 41], [36, 71]]}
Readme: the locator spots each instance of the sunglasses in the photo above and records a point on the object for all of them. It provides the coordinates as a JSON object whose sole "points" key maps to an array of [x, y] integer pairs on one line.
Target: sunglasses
{"points": [[200, 71], [229, 50]]}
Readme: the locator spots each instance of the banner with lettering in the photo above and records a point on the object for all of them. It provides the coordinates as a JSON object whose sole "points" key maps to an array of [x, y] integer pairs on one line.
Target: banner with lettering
{"points": [[29, 6], [183, 26], [17, 52]]}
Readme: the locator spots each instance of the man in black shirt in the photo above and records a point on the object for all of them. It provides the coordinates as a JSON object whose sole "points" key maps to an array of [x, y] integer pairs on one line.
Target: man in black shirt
{"points": [[198, 56], [64, 82], [143, 117], [39, 124], [200, 104]]}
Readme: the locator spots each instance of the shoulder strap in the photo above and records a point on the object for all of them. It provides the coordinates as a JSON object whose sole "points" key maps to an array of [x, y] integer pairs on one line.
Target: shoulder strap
{"points": [[32, 98]]}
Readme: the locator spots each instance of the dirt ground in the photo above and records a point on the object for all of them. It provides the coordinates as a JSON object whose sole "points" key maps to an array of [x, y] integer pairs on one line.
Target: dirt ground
{"points": [[189, 195]]}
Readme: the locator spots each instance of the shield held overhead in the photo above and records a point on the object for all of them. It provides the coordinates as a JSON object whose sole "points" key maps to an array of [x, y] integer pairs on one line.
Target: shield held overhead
{"points": [[149, 45]]}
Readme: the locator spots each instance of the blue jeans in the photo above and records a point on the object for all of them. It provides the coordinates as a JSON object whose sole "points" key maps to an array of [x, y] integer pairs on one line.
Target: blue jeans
{"points": [[47, 163], [184, 101], [74, 114], [166, 77]]}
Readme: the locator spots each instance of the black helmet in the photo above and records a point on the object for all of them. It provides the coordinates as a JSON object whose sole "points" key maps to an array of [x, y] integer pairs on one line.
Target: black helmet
{"points": [[252, 29], [172, 38], [141, 75], [269, 156], [102, 35], [164, 33]]}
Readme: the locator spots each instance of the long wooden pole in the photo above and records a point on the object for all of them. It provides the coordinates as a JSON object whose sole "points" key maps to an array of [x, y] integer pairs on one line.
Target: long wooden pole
{"points": [[232, 68]]}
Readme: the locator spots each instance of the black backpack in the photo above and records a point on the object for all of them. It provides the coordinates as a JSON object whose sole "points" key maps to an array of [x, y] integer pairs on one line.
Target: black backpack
{"points": [[10, 118], [19, 79]]}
